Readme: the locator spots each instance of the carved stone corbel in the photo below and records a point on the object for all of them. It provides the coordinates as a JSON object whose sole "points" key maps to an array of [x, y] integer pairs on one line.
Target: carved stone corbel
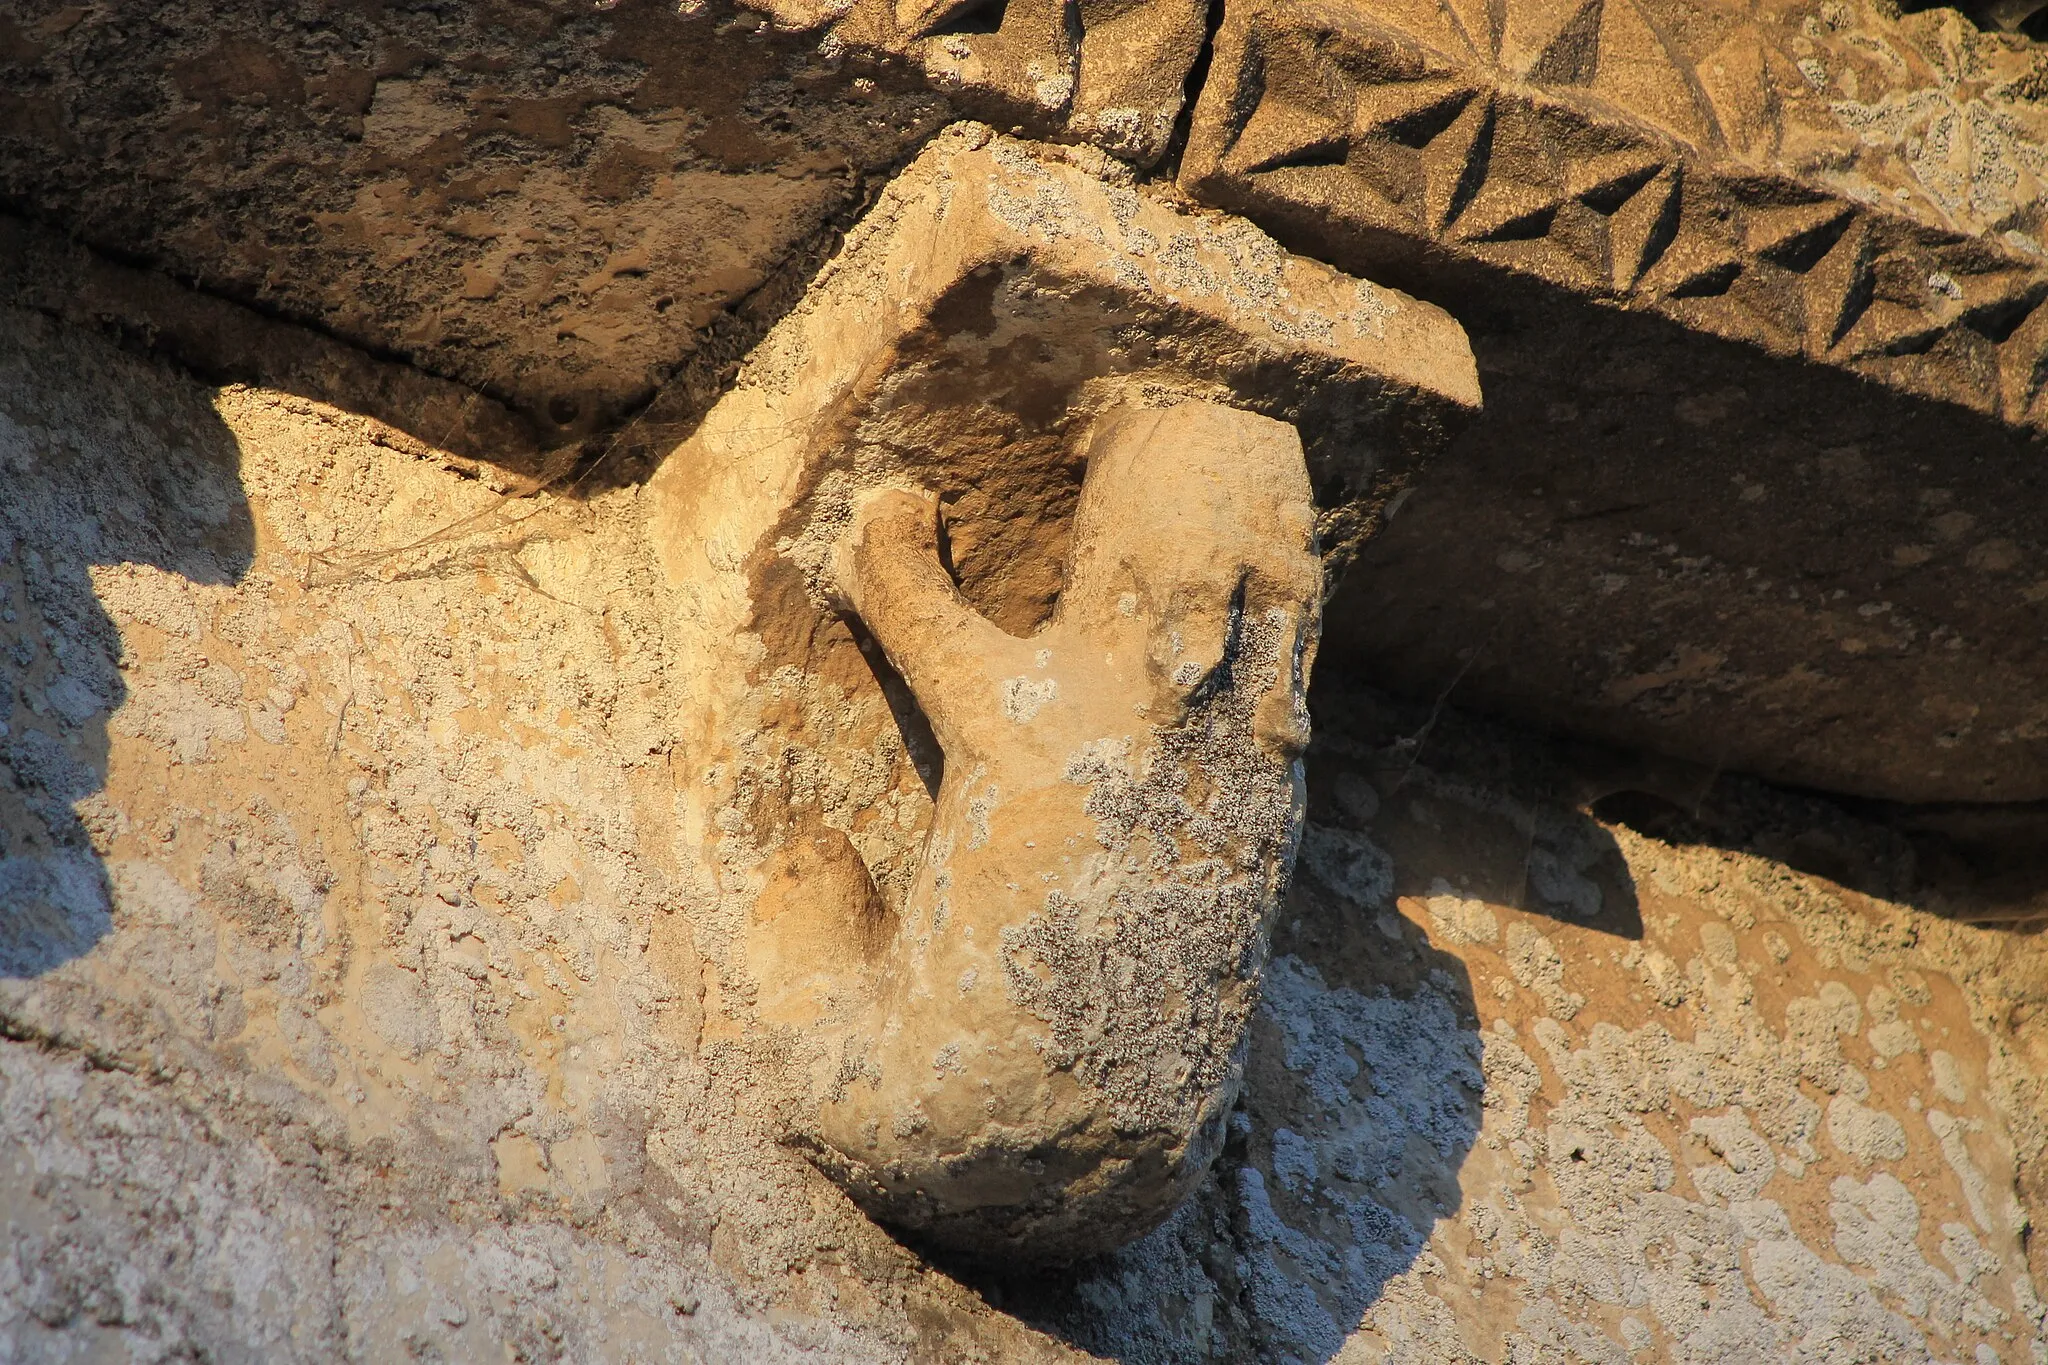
{"points": [[999, 574]]}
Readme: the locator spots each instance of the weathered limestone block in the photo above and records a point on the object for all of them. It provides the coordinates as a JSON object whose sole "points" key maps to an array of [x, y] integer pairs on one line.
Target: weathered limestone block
{"points": [[1000, 323], [1824, 182], [347, 1011], [361, 984], [1754, 294]]}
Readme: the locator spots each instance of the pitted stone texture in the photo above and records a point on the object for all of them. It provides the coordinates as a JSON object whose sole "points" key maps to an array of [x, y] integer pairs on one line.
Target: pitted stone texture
{"points": [[1530, 1085], [1054, 1048], [1107, 72], [559, 205], [997, 302], [347, 968], [1823, 181], [389, 727], [142, 1223]]}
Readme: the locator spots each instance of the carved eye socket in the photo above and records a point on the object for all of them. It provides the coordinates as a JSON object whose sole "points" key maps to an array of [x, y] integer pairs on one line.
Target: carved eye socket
{"points": [[1005, 546], [969, 19]]}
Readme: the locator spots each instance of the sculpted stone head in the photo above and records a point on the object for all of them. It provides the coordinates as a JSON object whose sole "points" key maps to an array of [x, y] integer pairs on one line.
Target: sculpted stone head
{"points": [[999, 575], [1053, 1046]]}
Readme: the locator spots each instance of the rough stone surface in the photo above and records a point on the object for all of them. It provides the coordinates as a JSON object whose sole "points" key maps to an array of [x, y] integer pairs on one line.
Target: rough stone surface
{"points": [[436, 886], [1532, 1085], [1755, 292], [358, 999], [1057, 1032], [971, 341], [556, 204], [348, 1016]]}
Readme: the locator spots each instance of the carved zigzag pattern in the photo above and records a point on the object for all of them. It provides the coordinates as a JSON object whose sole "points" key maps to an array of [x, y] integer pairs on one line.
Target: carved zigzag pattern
{"points": [[1318, 109]]}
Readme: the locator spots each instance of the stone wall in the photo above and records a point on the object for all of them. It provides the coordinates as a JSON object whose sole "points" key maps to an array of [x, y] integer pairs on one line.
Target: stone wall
{"points": [[361, 998]]}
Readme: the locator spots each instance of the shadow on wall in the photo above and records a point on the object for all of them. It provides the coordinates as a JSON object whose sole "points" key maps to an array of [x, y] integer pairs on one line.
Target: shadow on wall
{"points": [[96, 476], [220, 341], [1981, 864], [1664, 542], [1366, 1066]]}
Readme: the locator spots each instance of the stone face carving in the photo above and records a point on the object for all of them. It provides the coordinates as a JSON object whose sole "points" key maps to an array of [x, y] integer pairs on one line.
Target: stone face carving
{"points": [[1051, 1054], [1078, 918], [1839, 186]]}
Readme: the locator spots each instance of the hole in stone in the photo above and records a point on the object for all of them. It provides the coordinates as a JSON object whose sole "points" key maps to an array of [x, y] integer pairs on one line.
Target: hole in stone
{"points": [[1997, 322], [1649, 815], [975, 17]]}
